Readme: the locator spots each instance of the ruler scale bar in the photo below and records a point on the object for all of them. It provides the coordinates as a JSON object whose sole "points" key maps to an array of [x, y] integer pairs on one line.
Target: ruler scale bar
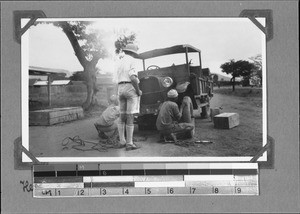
{"points": [[136, 179], [147, 172], [129, 169]]}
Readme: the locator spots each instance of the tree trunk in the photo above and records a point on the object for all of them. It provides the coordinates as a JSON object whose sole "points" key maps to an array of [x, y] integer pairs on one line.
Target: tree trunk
{"points": [[89, 66], [233, 83], [90, 73]]}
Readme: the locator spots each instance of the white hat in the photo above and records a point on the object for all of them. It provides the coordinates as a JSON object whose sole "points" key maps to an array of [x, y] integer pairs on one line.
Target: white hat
{"points": [[172, 93], [131, 47], [182, 87]]}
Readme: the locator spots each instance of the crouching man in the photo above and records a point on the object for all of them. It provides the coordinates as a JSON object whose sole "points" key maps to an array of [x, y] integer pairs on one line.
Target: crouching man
{"points": [[107, 125], [173, 121]]}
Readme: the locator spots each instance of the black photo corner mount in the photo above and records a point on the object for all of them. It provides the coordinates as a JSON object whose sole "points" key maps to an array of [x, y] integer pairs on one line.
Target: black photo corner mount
{"points": [[33, 15], [18, 150], [269, 148], [268, 14]]}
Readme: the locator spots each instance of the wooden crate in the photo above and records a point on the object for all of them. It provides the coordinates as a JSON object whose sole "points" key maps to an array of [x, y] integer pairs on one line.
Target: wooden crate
{"points": [[52, 116], [226, 120]]}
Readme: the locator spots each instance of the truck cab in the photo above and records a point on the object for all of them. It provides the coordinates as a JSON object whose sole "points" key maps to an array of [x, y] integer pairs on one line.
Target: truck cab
{"points": [[156, 81]]}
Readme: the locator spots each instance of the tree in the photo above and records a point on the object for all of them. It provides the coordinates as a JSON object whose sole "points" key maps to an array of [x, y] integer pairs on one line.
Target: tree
{"points": [[88, 47], [215, 78], [240, 68], [124, 37], [257, 61]]}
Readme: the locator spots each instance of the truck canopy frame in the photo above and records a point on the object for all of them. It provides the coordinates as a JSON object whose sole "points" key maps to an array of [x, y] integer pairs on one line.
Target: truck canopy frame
{"points": [[167, 51]]}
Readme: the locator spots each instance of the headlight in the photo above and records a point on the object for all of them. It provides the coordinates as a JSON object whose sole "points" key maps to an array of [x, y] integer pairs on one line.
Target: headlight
{"points": [[167, 82]]}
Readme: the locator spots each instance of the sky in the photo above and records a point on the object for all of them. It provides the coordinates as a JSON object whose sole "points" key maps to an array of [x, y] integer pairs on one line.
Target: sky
{"points": [[219, 39]]}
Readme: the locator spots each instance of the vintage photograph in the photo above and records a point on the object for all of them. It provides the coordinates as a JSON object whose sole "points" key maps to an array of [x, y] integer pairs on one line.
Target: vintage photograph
{"points": [[144, 89]]}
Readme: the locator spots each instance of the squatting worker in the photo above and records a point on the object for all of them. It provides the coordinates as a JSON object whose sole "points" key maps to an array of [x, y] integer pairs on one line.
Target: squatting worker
{"points": [[186, 96], [129, 95], [170, 120], [107, 125]]}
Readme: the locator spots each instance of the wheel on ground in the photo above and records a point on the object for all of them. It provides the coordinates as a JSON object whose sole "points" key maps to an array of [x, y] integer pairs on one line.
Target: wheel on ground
{"points": [[205, 111], [142, 127], [147, 122]]}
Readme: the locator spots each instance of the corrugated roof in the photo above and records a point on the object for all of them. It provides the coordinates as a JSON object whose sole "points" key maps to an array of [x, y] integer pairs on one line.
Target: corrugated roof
{"points": [[166, 51], [32, 81], [40, 83], [34, 70], [55, 82], [60, 82]]}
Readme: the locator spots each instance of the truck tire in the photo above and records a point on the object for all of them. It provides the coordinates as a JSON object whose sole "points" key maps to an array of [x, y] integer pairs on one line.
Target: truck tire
{"points": [[205, 111], [150, 125]]}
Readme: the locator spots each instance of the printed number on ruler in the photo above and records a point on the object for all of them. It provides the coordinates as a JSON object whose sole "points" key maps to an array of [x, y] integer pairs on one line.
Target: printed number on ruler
{"points": [[238, 190], [103, 191], [170, 190], [80, 192], [215, 190]]}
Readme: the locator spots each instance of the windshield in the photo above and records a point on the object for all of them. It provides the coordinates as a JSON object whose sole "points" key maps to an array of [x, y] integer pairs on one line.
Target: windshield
{"points": [[169, 60]]}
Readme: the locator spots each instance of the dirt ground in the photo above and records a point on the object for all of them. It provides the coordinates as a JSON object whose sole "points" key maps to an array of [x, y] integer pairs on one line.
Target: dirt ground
{"points": [[243, 140]]}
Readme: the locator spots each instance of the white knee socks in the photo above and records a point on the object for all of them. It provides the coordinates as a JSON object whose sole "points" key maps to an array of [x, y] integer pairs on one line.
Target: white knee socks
{"points": [[121, 130], [129, 133]]}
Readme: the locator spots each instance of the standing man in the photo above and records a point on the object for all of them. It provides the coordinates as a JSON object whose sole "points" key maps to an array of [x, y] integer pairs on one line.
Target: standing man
{"points": [[129, 95], [171, 120]]}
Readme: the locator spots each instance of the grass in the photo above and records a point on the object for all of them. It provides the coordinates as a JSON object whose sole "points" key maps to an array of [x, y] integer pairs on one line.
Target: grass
{"points": [[240, 91]]}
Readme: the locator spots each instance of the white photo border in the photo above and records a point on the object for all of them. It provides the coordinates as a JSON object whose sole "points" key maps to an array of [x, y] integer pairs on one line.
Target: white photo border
{"points": [[25, 108]]}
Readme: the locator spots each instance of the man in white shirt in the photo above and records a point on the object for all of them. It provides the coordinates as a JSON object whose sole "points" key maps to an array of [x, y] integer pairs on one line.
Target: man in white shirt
{"points": [[129, 95]]}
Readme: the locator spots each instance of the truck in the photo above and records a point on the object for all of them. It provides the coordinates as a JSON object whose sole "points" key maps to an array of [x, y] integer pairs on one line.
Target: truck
{"points": [[156, 81]]}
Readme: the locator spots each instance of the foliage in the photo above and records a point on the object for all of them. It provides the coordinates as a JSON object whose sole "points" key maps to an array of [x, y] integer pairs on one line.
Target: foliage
{"points": [[245, 81], [89, 47], [257, 61], [215, 78], [124, 37], [90, 40], [240, 68]]}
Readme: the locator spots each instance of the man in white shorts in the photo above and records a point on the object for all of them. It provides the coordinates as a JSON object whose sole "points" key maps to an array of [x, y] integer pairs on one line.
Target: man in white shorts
{"points": [[129, 95]]}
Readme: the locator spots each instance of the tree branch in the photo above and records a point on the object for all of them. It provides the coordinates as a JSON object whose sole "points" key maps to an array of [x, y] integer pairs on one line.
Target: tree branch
{"points": [[74, 42]]}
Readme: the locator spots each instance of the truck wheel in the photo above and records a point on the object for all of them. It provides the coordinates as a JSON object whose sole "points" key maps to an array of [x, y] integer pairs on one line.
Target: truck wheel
{"points": [[205, 111], [147, 123], [142, 127]]}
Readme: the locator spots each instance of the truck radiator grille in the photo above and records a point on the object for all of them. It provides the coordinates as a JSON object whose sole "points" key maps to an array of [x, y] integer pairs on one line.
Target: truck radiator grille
{"points": [[151, 91]]}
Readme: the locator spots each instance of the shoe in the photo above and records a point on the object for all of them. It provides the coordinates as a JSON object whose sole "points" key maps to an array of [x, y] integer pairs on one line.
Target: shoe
{"points": [[173, 136], [131, 147]]}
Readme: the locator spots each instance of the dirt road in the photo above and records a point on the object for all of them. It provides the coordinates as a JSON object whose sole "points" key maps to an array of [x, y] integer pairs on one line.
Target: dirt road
{"points": [[243, 140]]}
